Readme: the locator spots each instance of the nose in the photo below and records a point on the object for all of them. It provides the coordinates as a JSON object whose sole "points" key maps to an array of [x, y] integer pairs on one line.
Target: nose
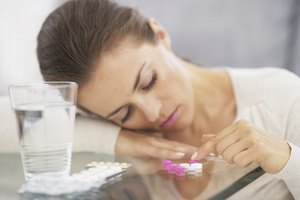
{"points": [[150, 107]]}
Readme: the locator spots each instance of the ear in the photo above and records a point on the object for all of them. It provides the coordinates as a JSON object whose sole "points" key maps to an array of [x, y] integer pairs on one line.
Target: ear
{"points": [[160, 33]]}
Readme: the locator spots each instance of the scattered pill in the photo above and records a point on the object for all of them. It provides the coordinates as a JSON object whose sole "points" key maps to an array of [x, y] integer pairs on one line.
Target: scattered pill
{"points": [[185, 165], [167, 162]]}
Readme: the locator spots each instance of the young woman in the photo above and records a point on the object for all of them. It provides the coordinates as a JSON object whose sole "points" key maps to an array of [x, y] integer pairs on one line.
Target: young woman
{"points": [[128, 75]]}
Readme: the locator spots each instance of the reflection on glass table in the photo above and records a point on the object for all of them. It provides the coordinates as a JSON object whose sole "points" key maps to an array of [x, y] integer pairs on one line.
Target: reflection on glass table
{"points": [[145, 179]]}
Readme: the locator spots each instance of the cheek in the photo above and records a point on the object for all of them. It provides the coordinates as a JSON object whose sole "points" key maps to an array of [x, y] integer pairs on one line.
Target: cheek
{"points": [[174, 85], [138, 123]]}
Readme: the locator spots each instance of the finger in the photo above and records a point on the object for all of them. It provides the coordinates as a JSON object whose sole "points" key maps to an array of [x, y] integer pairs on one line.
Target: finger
{"points": [[164, 153], [227, 141], [204, 150], [174, 146], [245, 158], [210, 145], [206, 137], [223, 133], [235, 149]]}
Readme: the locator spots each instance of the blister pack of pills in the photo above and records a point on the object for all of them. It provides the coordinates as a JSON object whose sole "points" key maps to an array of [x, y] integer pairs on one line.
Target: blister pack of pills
{"points": [[94, 175]]}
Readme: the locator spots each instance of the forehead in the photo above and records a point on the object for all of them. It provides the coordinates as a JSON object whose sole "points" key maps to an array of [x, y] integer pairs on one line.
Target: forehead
{"points": [[111, 84]]}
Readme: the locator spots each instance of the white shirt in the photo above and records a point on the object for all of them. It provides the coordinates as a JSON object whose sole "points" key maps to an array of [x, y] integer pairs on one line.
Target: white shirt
{"points": [[270, 99]]}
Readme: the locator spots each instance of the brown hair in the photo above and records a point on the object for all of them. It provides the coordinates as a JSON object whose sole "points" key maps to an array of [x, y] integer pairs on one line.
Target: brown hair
{"points": [[75, 35]]}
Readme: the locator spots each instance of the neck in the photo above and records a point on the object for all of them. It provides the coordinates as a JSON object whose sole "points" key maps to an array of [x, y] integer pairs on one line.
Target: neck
{"points": [[214, 103]]}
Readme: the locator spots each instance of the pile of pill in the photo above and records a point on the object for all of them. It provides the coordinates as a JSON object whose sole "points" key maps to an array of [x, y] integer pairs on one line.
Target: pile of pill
{"points": [[58, 185], [182, 169], [93, 176], [108, 164]]}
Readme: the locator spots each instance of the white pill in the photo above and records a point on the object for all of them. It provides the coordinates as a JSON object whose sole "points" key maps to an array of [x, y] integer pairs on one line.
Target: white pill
{"points": [[124, 165], [196, 166], [92, 164], [185, 165]]}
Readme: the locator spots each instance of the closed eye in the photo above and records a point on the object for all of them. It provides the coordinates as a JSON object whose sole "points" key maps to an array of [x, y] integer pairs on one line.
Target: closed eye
{"points": [[130, 109], [128, 114], [151, 83]]}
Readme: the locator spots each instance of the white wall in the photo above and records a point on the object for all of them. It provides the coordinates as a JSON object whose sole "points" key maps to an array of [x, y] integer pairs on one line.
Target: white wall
{"points": [[20, 21], [247, 33]]}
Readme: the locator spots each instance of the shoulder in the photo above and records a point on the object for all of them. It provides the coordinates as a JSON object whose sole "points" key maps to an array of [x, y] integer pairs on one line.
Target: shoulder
{"points": [[263, 75], [255, 85]]}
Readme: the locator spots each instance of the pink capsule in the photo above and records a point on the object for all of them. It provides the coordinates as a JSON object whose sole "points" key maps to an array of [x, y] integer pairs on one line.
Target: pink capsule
{"points": [[180, 171], [172, 168], [166, 164], [179, 168]]}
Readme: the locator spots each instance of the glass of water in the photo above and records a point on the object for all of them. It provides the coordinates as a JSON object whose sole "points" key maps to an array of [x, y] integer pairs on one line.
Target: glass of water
{"points": [[45, 113]]}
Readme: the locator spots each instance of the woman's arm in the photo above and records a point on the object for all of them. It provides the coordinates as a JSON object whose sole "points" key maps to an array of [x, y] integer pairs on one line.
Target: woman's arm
{"points": [[242, 144], [97, 136], [100, 136], [143, 145]]}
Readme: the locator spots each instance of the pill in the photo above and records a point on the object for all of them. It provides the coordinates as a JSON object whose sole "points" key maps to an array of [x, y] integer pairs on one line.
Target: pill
{"points": [[185, 165], [167, 162], [196, 166], [172, 168], [124, 165], [179, 168]]}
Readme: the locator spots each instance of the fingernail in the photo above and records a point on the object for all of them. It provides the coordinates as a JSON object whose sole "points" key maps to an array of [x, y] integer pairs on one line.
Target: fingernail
{"points": [[194, 156], [180, 154], [212, 154]]}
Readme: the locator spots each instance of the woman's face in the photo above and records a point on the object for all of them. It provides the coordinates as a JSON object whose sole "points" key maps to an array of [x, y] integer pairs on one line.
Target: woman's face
{"points": [[140, 87]]}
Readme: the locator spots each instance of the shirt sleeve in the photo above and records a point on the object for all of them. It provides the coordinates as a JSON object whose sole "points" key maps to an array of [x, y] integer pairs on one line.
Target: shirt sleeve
{"points": [[95, 135], [290, 174]]}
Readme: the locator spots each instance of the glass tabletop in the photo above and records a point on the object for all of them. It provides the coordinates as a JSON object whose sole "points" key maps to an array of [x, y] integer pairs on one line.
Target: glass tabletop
{"points": [[145, 179]]}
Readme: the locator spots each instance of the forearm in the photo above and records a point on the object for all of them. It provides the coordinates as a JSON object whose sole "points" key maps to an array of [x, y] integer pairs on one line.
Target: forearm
{"points": [[95, 135]]}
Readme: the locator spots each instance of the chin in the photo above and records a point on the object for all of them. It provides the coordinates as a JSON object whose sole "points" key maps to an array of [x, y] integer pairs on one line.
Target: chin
{"points": [[184, 126], [179, 127]]}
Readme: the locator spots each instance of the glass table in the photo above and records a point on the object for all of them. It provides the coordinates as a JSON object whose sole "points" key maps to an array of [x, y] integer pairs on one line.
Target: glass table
{"points": [[145, 179]]}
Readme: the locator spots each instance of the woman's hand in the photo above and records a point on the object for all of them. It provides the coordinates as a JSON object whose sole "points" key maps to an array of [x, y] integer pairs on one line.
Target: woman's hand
{"points": [[142, 145], [242, 144]]}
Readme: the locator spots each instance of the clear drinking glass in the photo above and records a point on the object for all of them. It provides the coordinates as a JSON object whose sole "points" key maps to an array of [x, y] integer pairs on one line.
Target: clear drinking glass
{"points": [[45, 113]]}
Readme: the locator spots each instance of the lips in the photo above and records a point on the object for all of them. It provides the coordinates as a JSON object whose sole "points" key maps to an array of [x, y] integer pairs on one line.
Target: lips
{"points": [[171, 119]]}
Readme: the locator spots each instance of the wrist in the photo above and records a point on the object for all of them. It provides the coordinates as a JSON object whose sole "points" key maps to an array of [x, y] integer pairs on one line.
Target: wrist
{"points": [[282, 157], [286, 155]]}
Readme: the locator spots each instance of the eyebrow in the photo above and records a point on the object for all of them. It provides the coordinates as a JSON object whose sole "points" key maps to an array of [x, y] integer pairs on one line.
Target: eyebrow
{"points": [[136, 83]]}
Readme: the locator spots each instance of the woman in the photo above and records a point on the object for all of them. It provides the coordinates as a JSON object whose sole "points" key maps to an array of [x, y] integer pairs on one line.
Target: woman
{"points": [[128, 74]]}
